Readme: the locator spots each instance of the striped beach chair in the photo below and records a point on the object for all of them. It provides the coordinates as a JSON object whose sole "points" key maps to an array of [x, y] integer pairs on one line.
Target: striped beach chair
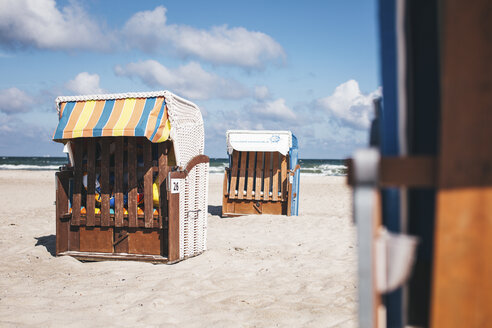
{"points": [[136, 185]]}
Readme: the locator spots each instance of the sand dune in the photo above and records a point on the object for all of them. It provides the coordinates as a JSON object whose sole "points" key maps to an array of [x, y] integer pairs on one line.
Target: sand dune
{"points": [[258, 271]]}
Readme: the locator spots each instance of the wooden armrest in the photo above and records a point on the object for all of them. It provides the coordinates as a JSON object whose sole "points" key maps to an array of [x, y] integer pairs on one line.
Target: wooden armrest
{"points": [[413, 171]]}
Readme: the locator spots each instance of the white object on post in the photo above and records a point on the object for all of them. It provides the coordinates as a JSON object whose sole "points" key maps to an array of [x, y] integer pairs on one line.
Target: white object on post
{"points": [[395, 256]]}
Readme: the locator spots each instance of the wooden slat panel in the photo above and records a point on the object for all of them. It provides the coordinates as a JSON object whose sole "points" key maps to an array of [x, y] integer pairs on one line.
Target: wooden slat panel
{"points": [[77, 196], [242, 175], [267, 173], [74, 239], [462, 284], [234, 173], [96, 239], [275, 176], [104, 180], [120, 240], [163, 172], [147, 242], [259, 175], [251, 175], [148, 200], [98, 173], [118, 182], [283, 177], [132, 182], [245, 207], [91, 181], [275, 208]]}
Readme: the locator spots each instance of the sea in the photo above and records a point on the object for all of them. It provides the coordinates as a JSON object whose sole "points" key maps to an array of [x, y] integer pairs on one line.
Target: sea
{"points": [[332, 167]]}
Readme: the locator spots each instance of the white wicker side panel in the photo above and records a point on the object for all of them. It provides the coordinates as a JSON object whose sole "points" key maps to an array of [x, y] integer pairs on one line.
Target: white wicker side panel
{"points": [[203, 204], [193, 212], [187, 134], [186, 128], [183, 224]]}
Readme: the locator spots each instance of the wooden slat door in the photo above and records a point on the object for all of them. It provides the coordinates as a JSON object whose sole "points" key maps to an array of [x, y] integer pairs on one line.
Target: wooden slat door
{"points": [[118, 182], [251, 175], [234, 174], [283, 177], [132, 183], [91, 182], [267, 174], [242, 175], [77, 193], [104, 180], [148, 195], [259, 175], [275, 176]]}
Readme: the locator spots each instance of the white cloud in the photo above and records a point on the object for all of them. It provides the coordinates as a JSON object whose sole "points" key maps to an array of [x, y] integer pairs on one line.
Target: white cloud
{"points": [[189, 80], [149, 30], [275, 110], [334, 126], [85, 83], [262, 92], [40, 24], [14, 101], [145, 29], [350, 106]]}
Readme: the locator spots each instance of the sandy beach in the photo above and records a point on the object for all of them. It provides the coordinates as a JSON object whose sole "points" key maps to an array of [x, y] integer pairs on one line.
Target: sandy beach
{"points": [[258, 271]]}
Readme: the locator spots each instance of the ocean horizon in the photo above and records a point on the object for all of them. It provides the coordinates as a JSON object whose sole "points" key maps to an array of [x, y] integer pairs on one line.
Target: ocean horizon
{"points": [[323, 167]]}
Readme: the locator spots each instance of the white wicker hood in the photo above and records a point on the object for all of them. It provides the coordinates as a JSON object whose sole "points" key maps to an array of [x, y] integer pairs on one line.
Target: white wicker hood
{"points": [[251, 140]]}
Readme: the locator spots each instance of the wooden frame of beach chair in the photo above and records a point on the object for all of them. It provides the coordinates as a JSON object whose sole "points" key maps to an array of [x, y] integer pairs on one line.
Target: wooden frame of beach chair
{"points": [[124, 234], [98, 215], [454, 179], [259, 182], [368, 173]]}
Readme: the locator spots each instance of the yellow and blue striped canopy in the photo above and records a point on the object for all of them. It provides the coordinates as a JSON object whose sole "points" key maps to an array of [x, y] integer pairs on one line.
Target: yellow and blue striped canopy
{"points": [[133, 117]]}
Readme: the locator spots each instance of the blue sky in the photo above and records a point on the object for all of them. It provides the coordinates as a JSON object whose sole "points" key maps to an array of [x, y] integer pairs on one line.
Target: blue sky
{"points": [[310, 67]]}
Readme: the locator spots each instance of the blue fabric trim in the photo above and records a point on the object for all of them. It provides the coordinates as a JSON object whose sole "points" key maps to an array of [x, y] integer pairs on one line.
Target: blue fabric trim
{"points": [[159, 118], [64, 120], [103, 119], [142, 123]]}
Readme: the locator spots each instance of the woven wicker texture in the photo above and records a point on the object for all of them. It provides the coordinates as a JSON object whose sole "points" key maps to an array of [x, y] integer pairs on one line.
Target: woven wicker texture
{"points": [[193, 222], [186, 128]]}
